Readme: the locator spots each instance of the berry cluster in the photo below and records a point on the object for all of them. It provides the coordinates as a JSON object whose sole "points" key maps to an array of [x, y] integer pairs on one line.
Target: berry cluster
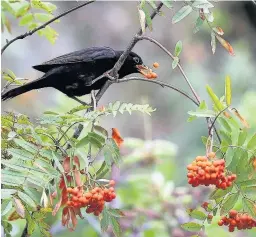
{"points": [[94, 200], [205, 172], [239, 220]]}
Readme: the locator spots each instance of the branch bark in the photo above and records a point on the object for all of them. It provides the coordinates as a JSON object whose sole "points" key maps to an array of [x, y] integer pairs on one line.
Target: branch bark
{"points": [[44, 25]]}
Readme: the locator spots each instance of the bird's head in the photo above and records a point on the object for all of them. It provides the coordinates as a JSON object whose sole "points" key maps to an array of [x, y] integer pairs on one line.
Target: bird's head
{"points": [[133, 64]]}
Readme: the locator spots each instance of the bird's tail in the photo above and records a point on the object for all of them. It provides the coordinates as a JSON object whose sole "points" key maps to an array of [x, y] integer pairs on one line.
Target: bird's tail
{"points": [[23, 89]]}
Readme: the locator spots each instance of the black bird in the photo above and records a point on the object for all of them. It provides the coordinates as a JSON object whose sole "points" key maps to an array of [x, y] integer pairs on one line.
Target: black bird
{"points": [[73, 73]]}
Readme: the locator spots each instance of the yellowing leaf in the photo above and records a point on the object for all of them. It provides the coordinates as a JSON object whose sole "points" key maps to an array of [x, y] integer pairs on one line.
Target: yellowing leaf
{"points": [[218, 30], [241, 118], [228, 95], [19, 207], [215, 98], [226, 45]]}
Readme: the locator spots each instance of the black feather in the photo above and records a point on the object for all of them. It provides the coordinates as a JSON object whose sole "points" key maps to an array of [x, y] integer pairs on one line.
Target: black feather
{"points": [[74, 73]]}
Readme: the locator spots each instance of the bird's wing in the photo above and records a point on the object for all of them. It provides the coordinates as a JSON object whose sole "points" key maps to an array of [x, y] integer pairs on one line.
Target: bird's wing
{"points": [[88, 55]]}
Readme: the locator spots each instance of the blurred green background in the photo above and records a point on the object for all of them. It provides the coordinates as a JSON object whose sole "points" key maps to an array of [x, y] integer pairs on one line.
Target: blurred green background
{"points": [[152, 187]]}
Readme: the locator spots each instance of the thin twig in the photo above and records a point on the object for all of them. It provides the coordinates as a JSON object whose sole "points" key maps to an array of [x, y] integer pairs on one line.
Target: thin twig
{"points": [[172, 56], [163, 84], [44, 25]]}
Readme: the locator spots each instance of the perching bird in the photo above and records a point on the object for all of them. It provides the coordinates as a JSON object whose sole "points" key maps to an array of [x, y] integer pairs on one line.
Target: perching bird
{"points": [[74, 73]]}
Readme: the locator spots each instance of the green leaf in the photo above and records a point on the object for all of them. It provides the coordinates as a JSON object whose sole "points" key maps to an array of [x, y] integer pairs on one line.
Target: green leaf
{"points": [[98, 137], [218, 193], [23, 9], [7, 193], [8, 7], [47, 6], [26, 19], [242, 166], [229, 156], [252, 142], [204, 114], [31, 224], [225, 124], [191, 226], [178, 48], [43, 17], [202, 4], [105, 220], [215, 99], [12, 178], [204, 139], [79, 108], [203, 105], [26, 199], [167, 3], [115, 212], [175, 62], [182, 13], [6, 206], [213, 42], [20, 154], [250, 207], [242, 137], [57, 162], [26, 145], [148, 18], [229, 203], [228, 94], [198, 25], [198, 215], [191, 118], [115, 226], [247, 183]]}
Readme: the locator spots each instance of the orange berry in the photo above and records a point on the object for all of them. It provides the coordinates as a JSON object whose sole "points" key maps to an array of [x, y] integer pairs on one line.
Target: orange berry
{"points": [[220, 222], [211, 155], [153, 75], [155, 64], [69, 190], [232, 213], [112, 182]]}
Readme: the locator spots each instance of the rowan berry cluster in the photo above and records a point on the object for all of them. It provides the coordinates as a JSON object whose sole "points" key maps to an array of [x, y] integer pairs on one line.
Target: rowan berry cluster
{"points": [[93, 200], [240, 220], [206, 172]]}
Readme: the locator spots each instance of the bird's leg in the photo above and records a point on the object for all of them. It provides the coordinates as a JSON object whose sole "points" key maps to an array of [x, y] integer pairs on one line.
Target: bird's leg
{"points": [[80, 101]]}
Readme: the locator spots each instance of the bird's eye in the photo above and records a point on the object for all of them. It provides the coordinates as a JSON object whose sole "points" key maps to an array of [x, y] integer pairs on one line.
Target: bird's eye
{"points": [[136, 59]]}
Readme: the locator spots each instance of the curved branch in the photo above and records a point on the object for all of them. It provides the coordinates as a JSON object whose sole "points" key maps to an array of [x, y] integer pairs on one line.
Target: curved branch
{"points": [[44, 25], [179, 65], [163, 84]]}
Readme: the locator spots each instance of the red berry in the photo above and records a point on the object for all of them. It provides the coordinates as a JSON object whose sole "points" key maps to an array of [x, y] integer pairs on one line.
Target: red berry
{"points": [[112, 182]]}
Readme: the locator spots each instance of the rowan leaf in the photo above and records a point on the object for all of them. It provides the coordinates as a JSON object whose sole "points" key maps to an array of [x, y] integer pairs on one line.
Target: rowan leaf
{"points": [[229, 203], [182, 13], [191, 226], [228, 94]]}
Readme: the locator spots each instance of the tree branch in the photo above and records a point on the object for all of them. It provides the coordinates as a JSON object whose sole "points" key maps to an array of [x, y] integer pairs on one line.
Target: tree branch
{"points": [[44, 25], [163, 84]]}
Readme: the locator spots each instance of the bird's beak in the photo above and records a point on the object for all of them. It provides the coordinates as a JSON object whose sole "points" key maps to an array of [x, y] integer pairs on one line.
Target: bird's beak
{"points": [[144, 70]]}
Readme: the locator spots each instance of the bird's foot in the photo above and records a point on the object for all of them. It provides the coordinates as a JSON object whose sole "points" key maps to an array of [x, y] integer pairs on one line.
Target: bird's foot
{"points": [[111, 78]]}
